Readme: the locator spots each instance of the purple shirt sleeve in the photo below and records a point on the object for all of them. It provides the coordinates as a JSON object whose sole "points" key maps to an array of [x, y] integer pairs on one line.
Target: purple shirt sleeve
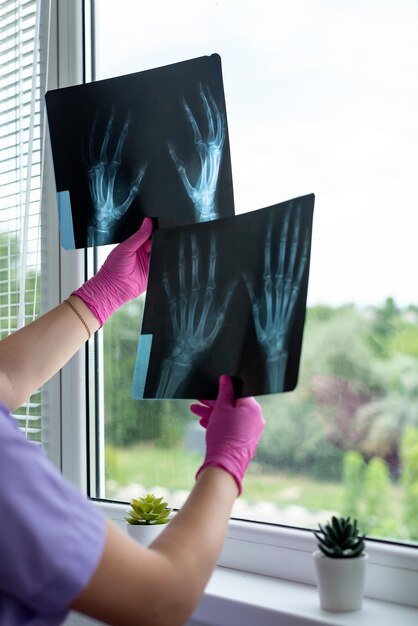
{"points": [[51, 536]]}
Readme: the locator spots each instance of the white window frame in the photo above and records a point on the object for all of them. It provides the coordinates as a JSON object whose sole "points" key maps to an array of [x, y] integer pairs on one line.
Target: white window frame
{"points": [[275, 551], [64, 397]]}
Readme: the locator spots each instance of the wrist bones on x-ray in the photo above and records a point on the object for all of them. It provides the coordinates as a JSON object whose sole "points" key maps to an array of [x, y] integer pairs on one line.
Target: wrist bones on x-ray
{"points": [[196, 318], [209, 149], [273, 310], [102, 177]]}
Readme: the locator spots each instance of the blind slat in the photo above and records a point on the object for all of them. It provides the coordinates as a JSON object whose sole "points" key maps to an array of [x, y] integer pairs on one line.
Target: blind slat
{"points": [[20, 177]]}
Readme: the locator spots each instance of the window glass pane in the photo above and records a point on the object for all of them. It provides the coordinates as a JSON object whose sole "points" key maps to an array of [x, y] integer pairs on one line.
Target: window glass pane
{"points": [[321, 97], [20, 123]]}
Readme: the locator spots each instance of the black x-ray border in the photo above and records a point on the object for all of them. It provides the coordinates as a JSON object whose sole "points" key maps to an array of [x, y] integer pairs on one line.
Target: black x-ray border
{"points": [[139, 141], [258, 255]]}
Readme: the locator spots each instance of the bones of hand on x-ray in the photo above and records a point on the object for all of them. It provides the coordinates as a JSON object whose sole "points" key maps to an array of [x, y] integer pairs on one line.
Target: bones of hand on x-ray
{"points": [[209, 149], [273, 310], [102, 176], [196, 318]]}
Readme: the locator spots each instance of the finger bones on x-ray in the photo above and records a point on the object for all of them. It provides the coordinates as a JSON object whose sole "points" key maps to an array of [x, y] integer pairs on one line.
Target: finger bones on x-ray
{"points": [[273, 310], [209, 149], [102, 175], [195, 317]]}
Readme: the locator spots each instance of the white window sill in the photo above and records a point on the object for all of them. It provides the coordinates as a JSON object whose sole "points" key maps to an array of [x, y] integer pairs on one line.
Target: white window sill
{"points": [[234, 597], [266, 576]]}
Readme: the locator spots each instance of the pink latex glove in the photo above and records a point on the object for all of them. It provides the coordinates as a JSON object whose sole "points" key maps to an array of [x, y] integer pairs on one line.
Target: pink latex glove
{"points": [[233, 429], [122, 277]]}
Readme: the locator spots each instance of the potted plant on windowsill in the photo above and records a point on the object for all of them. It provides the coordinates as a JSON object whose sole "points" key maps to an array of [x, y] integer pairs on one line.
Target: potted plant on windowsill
{"points": [[146, 518], [340, 564]]}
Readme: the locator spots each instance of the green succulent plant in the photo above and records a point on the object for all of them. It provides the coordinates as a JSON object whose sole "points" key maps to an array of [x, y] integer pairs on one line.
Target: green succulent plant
{"points": [[148, 510], [339, 538]]}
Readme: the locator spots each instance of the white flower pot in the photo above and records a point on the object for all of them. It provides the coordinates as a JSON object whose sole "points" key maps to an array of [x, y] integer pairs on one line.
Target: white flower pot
{"points": [[340, 582], [145, 534]]}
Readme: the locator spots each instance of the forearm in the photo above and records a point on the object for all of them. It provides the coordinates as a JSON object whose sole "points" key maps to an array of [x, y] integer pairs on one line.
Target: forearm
{"points": [[193, 540], [33, 354], [29, 357], [163, 584]]}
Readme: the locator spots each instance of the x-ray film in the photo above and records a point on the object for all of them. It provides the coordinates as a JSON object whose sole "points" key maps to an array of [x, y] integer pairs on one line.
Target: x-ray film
{"points": [[154, 143], [226, 297]]}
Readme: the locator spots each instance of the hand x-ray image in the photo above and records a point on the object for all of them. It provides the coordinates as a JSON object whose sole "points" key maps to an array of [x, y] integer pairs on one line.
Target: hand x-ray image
{"points": [[154, 143], [226, 297]]}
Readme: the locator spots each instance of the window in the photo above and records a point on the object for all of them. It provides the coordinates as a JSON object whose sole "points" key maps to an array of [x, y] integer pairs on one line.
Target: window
{"points": [[343, 365], [317, 102], [21, 79], [80, 445]]}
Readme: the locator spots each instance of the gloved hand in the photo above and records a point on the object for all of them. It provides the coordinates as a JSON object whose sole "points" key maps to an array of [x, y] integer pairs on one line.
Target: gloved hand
{"points": [[233, 429], [122, 277]]}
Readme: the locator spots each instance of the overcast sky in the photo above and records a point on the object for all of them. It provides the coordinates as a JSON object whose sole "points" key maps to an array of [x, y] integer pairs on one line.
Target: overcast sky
{"points": [[322, 97]]}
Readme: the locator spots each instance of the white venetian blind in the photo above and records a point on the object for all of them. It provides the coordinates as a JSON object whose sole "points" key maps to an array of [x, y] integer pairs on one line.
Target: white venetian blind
{"points": [[20, 177]]}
